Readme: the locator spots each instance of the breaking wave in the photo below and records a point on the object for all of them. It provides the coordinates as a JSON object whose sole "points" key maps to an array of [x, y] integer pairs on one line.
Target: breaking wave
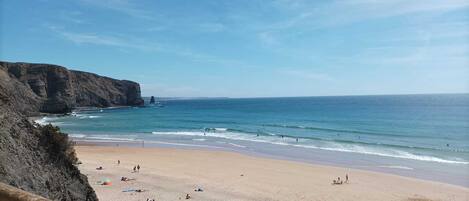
{"points": [[314, 144]]}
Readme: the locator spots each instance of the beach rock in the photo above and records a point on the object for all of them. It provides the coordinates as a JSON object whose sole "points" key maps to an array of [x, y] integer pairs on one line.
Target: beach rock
{"points": [[58, 90]]}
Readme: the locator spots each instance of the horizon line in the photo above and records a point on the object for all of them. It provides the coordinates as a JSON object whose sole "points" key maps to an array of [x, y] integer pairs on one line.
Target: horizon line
{"points": [[227, 97]]}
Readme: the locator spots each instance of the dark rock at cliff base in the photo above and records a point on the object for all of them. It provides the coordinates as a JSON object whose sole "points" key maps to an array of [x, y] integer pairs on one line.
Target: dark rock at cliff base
{"points": [[152, 100], [58, 90]]}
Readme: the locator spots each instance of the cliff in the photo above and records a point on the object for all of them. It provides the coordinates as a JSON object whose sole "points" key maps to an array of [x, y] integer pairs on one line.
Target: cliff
{"points": [[41, 159], [55, 89]]}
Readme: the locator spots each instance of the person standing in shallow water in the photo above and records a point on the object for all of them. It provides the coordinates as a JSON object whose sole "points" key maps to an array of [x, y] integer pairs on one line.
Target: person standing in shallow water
{"points": [[138, 168]]}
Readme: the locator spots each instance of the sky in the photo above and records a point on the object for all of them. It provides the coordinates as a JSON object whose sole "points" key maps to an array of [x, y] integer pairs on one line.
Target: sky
{"points": [[249, 48]]}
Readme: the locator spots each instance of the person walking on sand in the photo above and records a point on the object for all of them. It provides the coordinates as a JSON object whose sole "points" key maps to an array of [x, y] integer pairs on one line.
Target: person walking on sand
{"points": [[135, 169], [118, 162], [138, 168], [346, 178]]}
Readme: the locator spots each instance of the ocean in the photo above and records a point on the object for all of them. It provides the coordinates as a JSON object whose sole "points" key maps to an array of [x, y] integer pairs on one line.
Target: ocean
{"points": [[422, 136]]}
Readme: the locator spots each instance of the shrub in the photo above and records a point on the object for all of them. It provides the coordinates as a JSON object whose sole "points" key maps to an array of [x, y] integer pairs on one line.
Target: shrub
{"points": [[58, 144]]}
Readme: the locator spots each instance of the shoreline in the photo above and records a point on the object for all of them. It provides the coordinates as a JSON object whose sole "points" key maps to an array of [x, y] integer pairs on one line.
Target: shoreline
{"points": [[170, 173], [434, 172]]}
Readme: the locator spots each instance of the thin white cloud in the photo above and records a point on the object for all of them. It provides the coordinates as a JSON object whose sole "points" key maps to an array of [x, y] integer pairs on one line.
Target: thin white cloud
{"points": [[127, 7], [346, 11], [142, 45], [100, 39], [314, 15]]}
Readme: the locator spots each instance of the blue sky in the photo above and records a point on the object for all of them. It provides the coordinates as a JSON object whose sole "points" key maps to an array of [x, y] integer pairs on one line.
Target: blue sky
{"points": [[249, 48]]}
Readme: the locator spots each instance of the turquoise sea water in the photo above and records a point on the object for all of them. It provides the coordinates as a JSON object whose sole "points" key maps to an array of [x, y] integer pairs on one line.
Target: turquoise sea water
{"points": [[402, 133]]}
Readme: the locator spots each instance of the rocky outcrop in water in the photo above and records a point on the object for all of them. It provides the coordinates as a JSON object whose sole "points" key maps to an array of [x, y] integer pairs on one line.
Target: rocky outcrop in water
{"points": [[55, 89], [40, 159], [152, 100]]}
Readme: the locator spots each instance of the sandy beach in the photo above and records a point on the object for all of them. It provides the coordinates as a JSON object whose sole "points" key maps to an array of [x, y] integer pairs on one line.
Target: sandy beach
{"points": [[170, 174]]}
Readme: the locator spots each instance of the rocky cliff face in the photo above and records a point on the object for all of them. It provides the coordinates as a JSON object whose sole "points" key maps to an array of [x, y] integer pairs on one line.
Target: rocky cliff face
{"points": [[39, 159], [27, 162], [59, 90], [25, 158]]}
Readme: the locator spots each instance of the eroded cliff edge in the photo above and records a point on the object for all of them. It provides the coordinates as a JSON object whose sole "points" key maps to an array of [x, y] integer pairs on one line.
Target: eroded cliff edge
{"points": [[56, 89], [33, 158]]}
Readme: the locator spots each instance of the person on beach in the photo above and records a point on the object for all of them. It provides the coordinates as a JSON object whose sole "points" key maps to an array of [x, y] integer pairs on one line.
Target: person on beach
{"points": [[135, 169], [346, 178], [138, 168], [338, 181], [118, 162]]}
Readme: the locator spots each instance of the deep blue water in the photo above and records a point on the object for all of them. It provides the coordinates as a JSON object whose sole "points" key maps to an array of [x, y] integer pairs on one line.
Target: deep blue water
{"points": [[431, 129]]}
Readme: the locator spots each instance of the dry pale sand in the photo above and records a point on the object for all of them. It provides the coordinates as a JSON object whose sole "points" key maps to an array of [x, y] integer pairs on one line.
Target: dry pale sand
{"points": [[168, 174]]}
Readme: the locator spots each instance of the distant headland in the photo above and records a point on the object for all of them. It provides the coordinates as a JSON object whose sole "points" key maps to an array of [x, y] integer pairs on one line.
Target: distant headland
{"points": [[55, 89]]}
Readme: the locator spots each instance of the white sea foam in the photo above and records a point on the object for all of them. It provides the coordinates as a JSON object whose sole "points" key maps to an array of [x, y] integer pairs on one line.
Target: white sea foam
{"points": [[106, 137], [396, 167], [384, 152], [41, 121], [48, 119], [237, 145], [84, 116], [77, 135], [199, 139], [183, 144], [387, 152]]}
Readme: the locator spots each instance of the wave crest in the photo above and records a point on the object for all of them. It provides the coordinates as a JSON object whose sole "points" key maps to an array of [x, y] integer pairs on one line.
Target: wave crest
{"points": [[329, 146]]}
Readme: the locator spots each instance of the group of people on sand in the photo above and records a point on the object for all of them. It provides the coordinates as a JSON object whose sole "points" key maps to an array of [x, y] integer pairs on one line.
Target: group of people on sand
{"points": [[339, 181], [137, 168]]}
